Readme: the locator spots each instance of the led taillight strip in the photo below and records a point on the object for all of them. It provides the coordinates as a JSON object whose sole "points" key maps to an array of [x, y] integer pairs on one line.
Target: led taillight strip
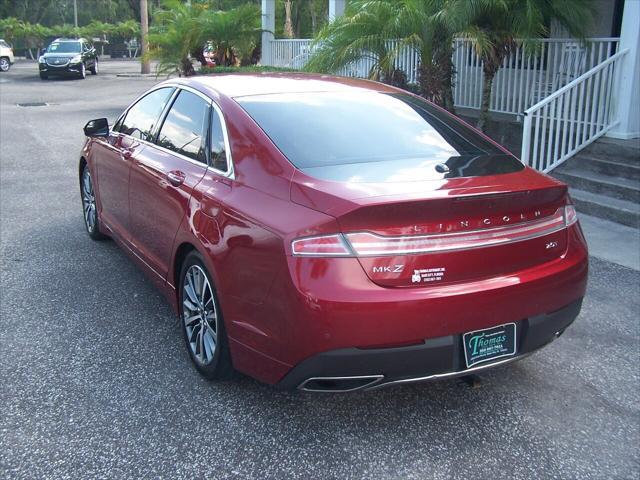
{"points": [[366, 244]]}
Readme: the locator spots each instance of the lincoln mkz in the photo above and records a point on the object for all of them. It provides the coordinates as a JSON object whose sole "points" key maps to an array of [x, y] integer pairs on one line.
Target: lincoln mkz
{"points": [[332, 234]]}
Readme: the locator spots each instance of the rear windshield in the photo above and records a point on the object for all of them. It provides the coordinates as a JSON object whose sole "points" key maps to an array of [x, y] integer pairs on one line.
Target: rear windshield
{"points": [[371, 136], [64, 47]]}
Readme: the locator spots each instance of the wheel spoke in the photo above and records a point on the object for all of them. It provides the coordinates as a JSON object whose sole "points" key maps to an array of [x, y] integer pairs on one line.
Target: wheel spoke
{"points": [[201, 345], [190, 321], [190, 289], [209, 343]]}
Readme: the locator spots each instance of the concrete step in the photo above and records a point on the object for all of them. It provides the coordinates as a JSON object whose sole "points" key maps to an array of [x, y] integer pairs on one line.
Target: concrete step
{"points": [[608, 208], [623, 151], [605, 166], [617, 187]]}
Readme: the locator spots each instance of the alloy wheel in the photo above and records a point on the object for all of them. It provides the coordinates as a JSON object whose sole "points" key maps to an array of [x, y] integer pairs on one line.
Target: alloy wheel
{"points": [[4, 64], [199, 315], [88, 201]]}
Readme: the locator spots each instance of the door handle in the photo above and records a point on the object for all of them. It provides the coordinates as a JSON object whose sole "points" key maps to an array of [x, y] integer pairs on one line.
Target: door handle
{"points": [[176, 177]]}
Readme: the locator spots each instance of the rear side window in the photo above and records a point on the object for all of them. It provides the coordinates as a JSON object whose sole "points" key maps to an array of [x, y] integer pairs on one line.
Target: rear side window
{"points": [[184, 129], [218, 146], [142, 117]]}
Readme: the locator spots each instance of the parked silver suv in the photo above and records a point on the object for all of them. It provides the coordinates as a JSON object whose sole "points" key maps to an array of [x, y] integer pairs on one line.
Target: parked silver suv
{"points": [[6, 56]]}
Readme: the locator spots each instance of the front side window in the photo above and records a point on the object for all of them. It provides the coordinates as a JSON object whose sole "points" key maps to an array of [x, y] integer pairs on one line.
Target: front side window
{"points": [[184, 129], [142, 117], [218, 147], [64, 47]]}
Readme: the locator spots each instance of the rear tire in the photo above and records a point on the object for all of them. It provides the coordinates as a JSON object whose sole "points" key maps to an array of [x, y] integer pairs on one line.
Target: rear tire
{"points": [[89, 206], [5, 64], [202, 322]]}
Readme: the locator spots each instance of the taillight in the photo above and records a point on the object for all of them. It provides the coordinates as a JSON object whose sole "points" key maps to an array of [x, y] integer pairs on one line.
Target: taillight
{"points": [[322, 246], [570, 215], [367, 244]]}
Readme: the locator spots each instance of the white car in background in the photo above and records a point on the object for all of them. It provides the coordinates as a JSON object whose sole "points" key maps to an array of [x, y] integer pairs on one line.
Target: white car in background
{"points": [[6, 56]]}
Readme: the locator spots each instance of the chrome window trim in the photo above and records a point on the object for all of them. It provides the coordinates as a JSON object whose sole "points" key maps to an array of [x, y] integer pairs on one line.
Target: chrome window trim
{"points": [[230, 172]]}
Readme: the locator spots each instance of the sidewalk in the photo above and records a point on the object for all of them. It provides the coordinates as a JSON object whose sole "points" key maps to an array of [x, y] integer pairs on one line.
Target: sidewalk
{"points": [[612, 241]]}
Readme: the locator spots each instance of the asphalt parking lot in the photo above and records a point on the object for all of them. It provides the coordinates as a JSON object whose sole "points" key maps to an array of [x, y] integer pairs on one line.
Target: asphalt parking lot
{"points": [[95, 381]]}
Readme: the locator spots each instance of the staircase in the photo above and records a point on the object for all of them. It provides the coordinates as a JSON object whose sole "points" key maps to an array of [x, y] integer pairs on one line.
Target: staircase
{"points": [[604, 180]]}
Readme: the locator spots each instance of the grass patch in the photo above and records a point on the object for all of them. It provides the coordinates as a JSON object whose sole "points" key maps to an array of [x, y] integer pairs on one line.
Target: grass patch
{"points": [[247, 69]]}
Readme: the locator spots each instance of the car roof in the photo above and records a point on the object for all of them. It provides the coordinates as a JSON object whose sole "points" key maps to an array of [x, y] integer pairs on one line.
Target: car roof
{"points": [[68, 40], [240, 85]]}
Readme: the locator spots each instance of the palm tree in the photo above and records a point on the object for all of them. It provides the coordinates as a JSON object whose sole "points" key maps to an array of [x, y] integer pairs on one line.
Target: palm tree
{"points": [[177, 31], [497, 27], [233, 33], [423, 25], [363, 32]]}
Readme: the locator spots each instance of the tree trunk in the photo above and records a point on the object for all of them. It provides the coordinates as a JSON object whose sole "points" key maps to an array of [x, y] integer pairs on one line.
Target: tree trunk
{"points": [[314, 18], [186, 67], [145, 66], [488, 75], [446, 64], [288, 25]]}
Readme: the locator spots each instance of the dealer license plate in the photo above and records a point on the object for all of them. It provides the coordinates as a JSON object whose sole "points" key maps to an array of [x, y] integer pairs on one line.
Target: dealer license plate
{"points": [[489, 344]]}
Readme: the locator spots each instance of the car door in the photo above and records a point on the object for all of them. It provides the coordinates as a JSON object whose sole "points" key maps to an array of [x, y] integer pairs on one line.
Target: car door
{"points": [[163, 177], [112, 157]]}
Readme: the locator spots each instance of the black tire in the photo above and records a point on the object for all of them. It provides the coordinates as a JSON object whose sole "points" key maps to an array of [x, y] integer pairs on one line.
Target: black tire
{"points": [[44, 76], [94, 69], [5, 64], [219, 365], [83, 71], [90, 212]]}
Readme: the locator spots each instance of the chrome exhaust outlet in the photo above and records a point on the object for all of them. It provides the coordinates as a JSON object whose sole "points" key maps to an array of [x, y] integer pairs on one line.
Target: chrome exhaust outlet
{"points": [[339, 384]]}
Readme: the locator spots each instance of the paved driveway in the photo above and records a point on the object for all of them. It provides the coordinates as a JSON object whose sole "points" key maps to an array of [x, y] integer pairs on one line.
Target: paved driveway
{"points": [[95, 380]]}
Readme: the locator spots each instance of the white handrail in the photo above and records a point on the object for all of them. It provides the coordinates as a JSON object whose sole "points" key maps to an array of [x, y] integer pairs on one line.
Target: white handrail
{"points": [[575, 82], [572, 117]]}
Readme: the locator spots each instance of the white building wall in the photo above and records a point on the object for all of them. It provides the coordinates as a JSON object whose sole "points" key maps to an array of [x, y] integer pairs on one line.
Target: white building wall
{"points": [[627, 100]]}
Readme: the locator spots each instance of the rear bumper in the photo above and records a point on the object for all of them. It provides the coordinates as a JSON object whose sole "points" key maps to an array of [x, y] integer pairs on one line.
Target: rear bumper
{"points": [[351, 369]]}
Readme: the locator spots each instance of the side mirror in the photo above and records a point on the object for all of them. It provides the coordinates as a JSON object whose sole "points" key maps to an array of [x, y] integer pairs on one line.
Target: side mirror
{"points": [[97, 128]]}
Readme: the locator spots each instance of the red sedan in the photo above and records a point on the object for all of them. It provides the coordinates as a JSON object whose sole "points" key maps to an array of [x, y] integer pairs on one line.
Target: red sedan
{"points": [[332, 234]]}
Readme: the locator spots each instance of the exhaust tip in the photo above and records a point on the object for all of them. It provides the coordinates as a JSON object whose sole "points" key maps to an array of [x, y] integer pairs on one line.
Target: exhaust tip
{"points": [[339, 384]]}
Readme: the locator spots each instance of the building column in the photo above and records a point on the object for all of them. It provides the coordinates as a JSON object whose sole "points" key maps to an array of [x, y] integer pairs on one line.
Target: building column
{"points": [[268, 30], [626, 99], [336, 9]]}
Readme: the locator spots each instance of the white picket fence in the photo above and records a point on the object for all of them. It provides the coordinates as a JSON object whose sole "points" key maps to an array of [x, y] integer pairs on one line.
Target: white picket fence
{"points": [[523, 80], [295, 53], [572, 117]]}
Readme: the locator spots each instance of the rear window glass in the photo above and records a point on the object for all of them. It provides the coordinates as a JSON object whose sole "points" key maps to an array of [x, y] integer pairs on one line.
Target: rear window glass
{"points": [[368, 136]]}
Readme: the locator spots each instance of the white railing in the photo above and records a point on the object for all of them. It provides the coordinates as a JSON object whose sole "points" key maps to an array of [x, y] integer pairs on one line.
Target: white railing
{"points": [[294, 53], [524, 78], [571, 118]]}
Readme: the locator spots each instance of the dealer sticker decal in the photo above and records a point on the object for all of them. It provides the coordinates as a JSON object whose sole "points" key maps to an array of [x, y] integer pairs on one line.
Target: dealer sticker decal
{"points": [[426, 275]]}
